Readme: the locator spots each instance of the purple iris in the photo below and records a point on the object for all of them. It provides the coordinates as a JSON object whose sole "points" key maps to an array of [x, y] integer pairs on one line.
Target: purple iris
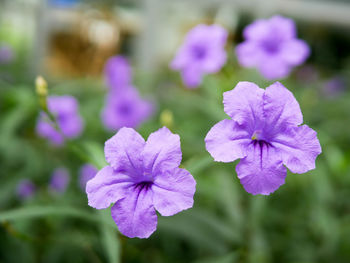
{"points": [[25, 189], [118, 72], [264, 131], [272, 47], [87, 172], [125, 108], [65, 109], [202, 52], [142, 177], [59, 180]]}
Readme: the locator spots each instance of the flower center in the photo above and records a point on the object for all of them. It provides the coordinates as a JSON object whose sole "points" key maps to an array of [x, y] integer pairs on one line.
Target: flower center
{"points": [[124, 109], [271, 45], [198, 52], [256, 135], [145, 185]]}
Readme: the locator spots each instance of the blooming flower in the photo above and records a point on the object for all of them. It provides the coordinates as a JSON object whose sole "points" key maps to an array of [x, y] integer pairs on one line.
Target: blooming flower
{"points": [[142, 177], [201, 53], [264, 131], [65, 109], [59, 180], [125, 109], [25, 189], [272, 47], [87, 172], [118, 72]]}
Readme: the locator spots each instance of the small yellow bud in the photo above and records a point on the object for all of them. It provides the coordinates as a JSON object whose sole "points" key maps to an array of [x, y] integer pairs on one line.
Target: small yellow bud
{"points": [[41, 86], [166, 118]]}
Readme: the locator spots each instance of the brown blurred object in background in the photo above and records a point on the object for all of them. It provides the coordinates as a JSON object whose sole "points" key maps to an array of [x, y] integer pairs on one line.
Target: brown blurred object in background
{"points": [[80, 41]]}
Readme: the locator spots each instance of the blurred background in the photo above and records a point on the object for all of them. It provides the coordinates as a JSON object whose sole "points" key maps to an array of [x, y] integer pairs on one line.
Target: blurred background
{"points": [[68, 42]]}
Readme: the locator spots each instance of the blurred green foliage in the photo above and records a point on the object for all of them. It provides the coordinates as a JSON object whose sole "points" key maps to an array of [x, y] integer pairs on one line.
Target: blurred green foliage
{"points": [[306, 220]]}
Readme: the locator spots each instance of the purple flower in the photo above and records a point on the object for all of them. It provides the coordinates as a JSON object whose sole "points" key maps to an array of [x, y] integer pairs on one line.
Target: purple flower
{"points": [[202, 52], [59, 180], [142, 177], [25, 189], [272, 47], [65, 109], [264, 131], [125, 108], [6, 54], [118, 72], [87, 172]]}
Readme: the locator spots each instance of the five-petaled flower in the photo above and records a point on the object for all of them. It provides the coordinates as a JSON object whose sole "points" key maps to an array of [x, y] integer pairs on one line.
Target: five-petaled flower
{"points": [[272, 47], [202, 52], [142, 177], [70, 123], [125, 108], [265, 132]]}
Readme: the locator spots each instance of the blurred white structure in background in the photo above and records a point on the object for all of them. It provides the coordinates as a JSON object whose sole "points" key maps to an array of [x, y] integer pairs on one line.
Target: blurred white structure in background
{"points": [[155, 28]]}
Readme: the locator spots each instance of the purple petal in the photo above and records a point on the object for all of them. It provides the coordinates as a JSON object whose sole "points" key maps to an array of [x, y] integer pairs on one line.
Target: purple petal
{"points": [[295, 52], [262, 171], [118, 72], [277, 27], [46, 130], [192, 76], [71, 126], [216, 58], [107, 187], [299, 148], [274, 67], [125, 109], [257, 30], [249, 54], [226, 141], [123, 151], [244, 104], [62, 104], [281, 109], [283, 27], [162, 151], [173, 191], [135, 215]]}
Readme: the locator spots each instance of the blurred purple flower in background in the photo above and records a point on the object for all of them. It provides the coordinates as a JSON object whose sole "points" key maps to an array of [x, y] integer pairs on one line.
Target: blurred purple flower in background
{"points": [[202, 52], [334, 87], [118, 72], [87, 172], [59, 180], [6, 54], [142, 177], [70, 123], [272, 47], [125, 109], [265, 132], [25, 189]]}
